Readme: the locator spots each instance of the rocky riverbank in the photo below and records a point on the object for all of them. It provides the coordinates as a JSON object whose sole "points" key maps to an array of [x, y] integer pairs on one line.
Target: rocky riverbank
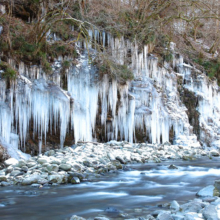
{"points": [[88, 161]]}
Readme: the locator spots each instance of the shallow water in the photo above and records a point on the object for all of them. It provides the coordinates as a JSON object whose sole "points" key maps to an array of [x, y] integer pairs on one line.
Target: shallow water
{"points": [[143, 187]]}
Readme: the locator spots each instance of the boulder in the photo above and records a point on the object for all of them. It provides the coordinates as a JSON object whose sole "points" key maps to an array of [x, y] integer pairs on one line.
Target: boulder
{"points": [[174, 205], [210, 213], [31, 179], [75, 180], [55, 179], [11, 161], [207, 191], [191, 207], [65, 167]]}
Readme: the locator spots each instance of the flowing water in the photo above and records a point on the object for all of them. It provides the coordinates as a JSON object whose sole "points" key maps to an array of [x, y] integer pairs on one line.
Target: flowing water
{"points": [[137, 191]]}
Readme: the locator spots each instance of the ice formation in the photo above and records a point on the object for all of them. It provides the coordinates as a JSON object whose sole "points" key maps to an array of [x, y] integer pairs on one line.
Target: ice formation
{"points": [[149, 107]]}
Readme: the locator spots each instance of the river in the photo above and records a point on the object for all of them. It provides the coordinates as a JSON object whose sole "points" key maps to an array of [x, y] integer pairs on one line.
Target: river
{"points": [[136, 191]]}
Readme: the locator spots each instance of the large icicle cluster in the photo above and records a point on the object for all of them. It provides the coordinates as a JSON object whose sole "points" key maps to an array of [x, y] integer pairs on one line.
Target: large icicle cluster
{"points": [[148, 106]]}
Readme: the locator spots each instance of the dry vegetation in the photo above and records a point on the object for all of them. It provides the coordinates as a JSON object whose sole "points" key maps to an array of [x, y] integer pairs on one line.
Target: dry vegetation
{"points": [[192, 24]]}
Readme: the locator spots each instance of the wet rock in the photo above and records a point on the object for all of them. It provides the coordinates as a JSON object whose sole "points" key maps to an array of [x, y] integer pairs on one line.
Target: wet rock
{"points": [[55, 178], [31, 164], [165, 216], [120, 159], [52, 167], [75, 217], [3, 179], [24, 168], [42, 181], [21, 163], [65, 167], [191, 207], [54, 160], [207, 191], [172, 167], [75, 180], [43, 160], [30, 180], [75, 174], [101, 218], [16, 173], [210, 213], [112, 210], [9, 169], [174, 205], [5, 183], [50, 153], [11, 161], [214, 153]]}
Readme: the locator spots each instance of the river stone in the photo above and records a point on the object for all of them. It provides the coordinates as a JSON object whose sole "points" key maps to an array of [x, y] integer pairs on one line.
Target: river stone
{"points": [[214, 153], [65, 167], [43, 160], [87, 163], [24, 168], [111, 156], [75, 217], [11, 161], [9, 169], [3, 178], [101, 218], [31, 164], [191, 207], [112, 210], [165, 216], [55, 179], [207, 191], [172, 167], [52, 167], [193, 216], [75, 180], [50, 153], [75, 174], [21, 163], [16, 173], [3, 183], [42, 181], [54, 160], [210, 213], [174, 205], [120, 159], [31, 179]]}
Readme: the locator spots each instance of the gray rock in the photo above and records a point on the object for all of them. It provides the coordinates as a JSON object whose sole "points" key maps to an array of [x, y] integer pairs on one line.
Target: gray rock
{"points": [[31, 179], [175, 205], [3, 179], [101, 218], [87, 163], [9, 169], [75, 180], [31, 164], [50, 153], [52, 167], [24, 168], [112, 210], [55, 179], [42, 181], [210, 213], [214, 153], [65, 167], [75, 217], [11, 161], [207, 191], [120, 159], [43, 160], [21, 163], [165, 216], [173, 167], [75, 174], [191, 207], [5, 183], [16, 173]]}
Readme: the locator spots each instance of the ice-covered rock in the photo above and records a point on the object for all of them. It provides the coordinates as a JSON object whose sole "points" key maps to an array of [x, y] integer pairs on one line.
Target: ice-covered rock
{"points": [[207, 191]]}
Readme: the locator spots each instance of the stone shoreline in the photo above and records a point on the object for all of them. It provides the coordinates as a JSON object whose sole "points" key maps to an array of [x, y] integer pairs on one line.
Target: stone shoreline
{"points": [[88, 161]]}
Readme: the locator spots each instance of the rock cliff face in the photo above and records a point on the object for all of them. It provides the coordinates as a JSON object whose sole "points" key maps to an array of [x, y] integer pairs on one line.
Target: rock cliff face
{"points": [[174, 103]]}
